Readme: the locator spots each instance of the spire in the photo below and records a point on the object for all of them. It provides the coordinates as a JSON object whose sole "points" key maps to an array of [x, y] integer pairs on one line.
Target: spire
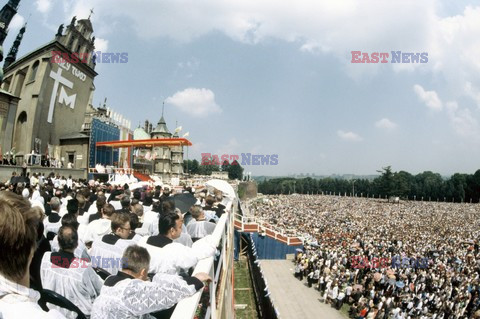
{"points": [[91, 12], [12, 54], [161, 130], [6, 15], [177, 129], [14, 3]]}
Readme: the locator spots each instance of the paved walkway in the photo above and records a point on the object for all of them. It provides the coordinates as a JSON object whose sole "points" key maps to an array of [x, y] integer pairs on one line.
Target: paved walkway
{"points": [[292, 298]]}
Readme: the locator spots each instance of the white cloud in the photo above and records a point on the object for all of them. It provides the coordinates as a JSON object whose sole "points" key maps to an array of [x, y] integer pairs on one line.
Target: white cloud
{"points": [[430, 98], [385, 124], [349, 136], [463, 122], [187, 68], [101, 45], [197, 102], [43, 6], [17, 22], [329, 26], [473, 93]]}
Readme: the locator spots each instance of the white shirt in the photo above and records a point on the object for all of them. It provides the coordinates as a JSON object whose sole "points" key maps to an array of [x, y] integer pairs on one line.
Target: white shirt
{"points": [[17, 301]]}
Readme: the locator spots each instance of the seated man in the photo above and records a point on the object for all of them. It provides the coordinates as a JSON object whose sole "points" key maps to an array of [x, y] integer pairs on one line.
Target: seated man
{"points": [[134, 224], [129, 294], [199, 227], [148, 220], [69, 276], [18, 234], [171, 257], [99, 204], [107, 252], [52, 222], [100, 227], [210, 210], [81, 251]]}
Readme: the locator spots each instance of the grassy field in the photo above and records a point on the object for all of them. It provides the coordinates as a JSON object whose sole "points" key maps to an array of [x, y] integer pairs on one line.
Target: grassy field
{"points": [[243, 291]]}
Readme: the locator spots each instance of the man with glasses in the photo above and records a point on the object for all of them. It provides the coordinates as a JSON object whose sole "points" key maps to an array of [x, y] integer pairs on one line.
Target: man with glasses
{"points": [[108, 251]]}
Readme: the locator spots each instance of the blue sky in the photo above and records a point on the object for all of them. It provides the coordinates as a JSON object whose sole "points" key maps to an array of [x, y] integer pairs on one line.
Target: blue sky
{"points": [[271, 77]]}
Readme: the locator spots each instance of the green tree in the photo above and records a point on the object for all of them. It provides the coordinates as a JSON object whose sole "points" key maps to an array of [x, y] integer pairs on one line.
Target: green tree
{"points": [[385, 183], [235, 171]]}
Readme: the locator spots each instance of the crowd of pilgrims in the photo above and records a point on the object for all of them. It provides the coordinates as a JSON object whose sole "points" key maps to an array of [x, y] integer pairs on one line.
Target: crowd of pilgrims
{"points": [[346, 237], [114, 252]]}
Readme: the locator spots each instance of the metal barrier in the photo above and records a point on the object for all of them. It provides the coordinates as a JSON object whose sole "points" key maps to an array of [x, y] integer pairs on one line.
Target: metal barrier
{"points": [[220, 269]]}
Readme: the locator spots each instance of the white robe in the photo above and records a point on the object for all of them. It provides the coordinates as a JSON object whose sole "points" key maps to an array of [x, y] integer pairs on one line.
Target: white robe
{"points": [[175, 258], [79, 283], [150, 224], [97, 229], [51, 227], [109, 257], [200, 229], [17, 301], [134, 298], [184, 239]]}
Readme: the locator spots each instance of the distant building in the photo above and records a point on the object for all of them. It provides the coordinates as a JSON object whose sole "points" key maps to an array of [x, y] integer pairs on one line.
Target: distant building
{"points": [[220, 175], [100, 125], [166, 161], [103, 124]]}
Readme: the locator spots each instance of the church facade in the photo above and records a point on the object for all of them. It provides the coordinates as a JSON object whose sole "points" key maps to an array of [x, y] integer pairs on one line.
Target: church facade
{"points": [[52, 97]]}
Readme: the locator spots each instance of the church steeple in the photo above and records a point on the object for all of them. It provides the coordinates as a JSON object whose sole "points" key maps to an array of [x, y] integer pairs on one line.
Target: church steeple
{"points": [[161, 130], [78, 38], [6, 15], [12, 54]]}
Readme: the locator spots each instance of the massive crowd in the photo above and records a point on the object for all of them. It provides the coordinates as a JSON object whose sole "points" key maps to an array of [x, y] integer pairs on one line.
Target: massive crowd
{"points": [[114, 251], [347, 237]]}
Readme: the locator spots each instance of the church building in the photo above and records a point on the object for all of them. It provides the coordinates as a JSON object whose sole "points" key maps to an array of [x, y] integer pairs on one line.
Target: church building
{"points": [[48, 99]]}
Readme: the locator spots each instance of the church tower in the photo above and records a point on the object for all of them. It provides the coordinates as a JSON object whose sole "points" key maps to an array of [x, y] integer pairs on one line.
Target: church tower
{"points": [[12, 54], [78, 38], [6, 15]]}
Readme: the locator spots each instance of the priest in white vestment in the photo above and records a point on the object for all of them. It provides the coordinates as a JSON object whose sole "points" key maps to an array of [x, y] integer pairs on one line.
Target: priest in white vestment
{"points": [[171, 257], [130, 294], [70, 276]]}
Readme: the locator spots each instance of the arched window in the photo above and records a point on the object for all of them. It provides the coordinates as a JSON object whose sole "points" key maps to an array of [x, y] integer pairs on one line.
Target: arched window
{"points": [[21, 132], [33, 72], [22, 118]]}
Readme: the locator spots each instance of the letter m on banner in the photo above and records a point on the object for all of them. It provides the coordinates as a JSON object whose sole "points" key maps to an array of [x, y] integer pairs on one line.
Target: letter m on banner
{"points": [[68, 100], [63, 97]]}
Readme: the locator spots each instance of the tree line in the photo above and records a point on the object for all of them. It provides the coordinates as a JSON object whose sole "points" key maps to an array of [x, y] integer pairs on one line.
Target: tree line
{"points": [[423, 186], [234, 169]]}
